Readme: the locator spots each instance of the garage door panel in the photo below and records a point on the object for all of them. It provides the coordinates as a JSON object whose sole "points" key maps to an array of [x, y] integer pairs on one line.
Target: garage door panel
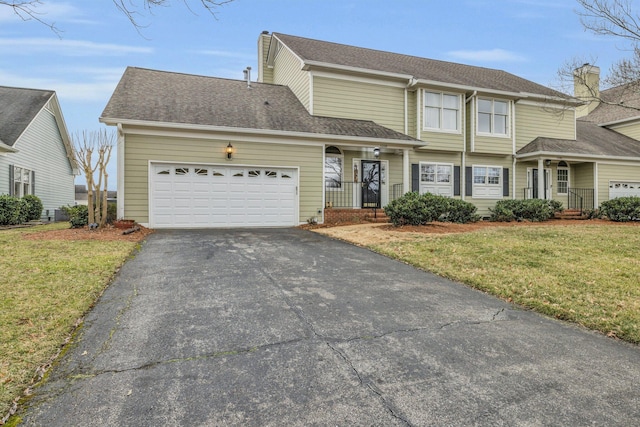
{"points": [[222, 196]]}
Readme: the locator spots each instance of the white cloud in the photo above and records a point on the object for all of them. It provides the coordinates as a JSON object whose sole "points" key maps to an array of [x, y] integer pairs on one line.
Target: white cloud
{"points": [[76, 85], [493, 55], [28, 46]]}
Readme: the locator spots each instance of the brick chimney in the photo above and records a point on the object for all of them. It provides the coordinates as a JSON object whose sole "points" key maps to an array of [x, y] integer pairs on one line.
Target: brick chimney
{"points": [[586, 87]]}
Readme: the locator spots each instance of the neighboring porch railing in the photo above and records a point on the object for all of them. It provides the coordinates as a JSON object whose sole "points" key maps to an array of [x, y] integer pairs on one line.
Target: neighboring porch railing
{"points": [[580, 198], [349, 194]]}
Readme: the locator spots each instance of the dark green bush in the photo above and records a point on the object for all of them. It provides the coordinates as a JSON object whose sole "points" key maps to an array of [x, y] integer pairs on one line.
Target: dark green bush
{"points": [[622, 209], [112, 212], [535, 210], [78, 215], [10, 210], [33, 207], [416, 209]]}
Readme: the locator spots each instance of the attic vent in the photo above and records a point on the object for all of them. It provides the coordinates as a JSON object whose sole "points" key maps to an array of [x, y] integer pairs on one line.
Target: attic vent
{"points": [[247, 76], [266, 102]]}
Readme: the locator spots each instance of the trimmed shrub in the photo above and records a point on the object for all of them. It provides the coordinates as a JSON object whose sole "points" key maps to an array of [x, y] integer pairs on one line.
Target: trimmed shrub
{"points": [[622, 209], [535, 210], [415, 209], [78, 215], [33, 207], [10, 210]]}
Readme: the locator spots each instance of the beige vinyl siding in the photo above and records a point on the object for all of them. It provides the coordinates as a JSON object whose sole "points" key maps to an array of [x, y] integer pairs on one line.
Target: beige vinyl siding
{"points": [[139, 150], [287, 70], [41, 150], [411, 114], [442, 141], [630, 130], [359, 100], [533, 121], [264, 42], [581, 175], [614, 172], [492, 145], [436, 157]]}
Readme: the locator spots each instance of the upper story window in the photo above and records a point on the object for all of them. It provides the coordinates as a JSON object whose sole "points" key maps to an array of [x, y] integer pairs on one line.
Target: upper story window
{"points": [[493, 116], [441, 111], [333, 167]]}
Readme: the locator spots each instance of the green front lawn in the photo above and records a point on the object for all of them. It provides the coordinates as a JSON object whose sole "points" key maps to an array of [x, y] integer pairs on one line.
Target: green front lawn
{"points": [[45, 287], [588, 274]]}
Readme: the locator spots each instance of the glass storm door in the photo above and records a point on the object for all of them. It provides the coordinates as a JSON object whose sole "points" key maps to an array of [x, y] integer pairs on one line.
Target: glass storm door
{"points": [[371, 184]]}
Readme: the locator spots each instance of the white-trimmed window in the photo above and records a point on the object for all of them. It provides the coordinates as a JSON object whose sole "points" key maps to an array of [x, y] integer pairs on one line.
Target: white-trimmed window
{"points": [[562, 175], [487, 182], [436, 178], [441, 111], [22, 181], [333, 168], [493, 117]]}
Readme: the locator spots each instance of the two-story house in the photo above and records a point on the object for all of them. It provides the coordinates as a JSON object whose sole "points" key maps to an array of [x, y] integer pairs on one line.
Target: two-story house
{"points": [[330, 126]]}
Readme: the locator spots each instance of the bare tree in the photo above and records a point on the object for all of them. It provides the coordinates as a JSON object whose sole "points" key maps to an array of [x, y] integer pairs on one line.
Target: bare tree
{"points": [[132, 9], [86, 145], [608, 18]]}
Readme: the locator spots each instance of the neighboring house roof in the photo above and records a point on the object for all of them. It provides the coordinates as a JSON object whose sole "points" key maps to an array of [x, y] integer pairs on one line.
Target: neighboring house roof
{"points": [[592, 140], [19, 107], [618, 104], [322, 53], [144, 95], [82, 194]]}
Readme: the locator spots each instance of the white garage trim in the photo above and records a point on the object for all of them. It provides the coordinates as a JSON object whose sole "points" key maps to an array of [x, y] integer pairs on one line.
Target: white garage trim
{"points": [[215, 195], [624, 189]]}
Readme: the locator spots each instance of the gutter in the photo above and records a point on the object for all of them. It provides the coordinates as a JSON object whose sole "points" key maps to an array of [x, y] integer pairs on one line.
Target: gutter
{"points": [[260, 132]]}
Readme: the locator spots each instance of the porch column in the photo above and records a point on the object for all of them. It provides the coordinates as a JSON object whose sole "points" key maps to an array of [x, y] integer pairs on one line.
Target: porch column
{"points": [[540, 178], [406, 172]]}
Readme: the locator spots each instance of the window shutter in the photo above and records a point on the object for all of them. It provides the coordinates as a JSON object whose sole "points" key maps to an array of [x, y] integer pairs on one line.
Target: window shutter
{"points": [[33, 182], [415, 177], [11, 180], [468, 181], [505, 182], [456, 180]]}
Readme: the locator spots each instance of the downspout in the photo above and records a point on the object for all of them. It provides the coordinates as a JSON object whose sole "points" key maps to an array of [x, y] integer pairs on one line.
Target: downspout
{"points": [[406, 112], [120, 175], [463, 166], [418, 117], [513, 137]]}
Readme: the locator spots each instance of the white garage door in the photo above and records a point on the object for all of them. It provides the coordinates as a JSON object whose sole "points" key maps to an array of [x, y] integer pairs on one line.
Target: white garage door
{"points": [[202, 196], [623, 189]]}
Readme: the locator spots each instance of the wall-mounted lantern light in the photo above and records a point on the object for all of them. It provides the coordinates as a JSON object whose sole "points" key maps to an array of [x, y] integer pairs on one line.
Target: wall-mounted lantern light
{"points": [[547, 163], [229, 151], [376, 152]]}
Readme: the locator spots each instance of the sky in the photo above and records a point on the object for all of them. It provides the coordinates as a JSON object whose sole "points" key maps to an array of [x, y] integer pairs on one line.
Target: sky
{"points": [[95, 42]]}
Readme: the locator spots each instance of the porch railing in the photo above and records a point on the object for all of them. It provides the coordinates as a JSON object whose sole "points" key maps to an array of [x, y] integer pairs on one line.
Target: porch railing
{"points": [[580, 198], [349, 194]]}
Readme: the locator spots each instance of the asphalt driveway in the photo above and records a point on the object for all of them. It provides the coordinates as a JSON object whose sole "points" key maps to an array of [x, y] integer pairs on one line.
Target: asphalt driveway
{"points": [[284, 327]]}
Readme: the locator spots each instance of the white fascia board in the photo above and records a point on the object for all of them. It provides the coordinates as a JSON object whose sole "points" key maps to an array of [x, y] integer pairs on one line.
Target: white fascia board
{"points": [[574, 156], [329, 66], [4, 148], [256, 132]]}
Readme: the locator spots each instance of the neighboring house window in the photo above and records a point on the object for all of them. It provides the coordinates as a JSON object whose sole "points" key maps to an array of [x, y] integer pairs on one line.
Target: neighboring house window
{"points": [[436, 178], [563, 178], [333, 167], [493, 117], [22, 182], [487, 182], [441, 111]]}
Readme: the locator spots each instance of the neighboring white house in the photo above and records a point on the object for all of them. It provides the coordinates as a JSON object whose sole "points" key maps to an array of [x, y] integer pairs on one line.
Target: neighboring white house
{"points": [[36, 155]]}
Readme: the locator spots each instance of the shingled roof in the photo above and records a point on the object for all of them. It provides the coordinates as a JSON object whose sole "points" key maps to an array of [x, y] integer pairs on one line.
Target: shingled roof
{"points": [[165, 97], [592, 140], [18, 108], [479, 78], [619, 104]]}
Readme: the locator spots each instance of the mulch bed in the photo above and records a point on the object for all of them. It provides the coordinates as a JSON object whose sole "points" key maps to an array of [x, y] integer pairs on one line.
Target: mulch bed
{"points": [[108, 233]]}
